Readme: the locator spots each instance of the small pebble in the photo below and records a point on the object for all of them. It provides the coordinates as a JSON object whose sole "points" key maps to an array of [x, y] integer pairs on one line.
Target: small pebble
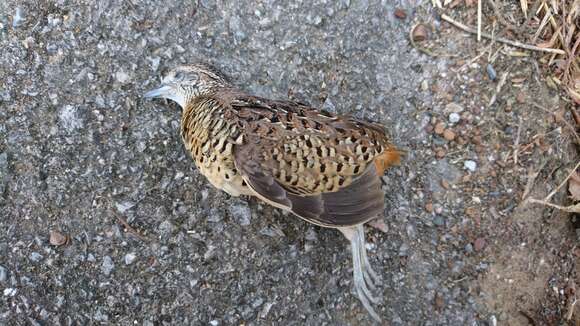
{"points": [[491, 72], [241, 213], [124, 206], [166, 229], [214, 323], [479, 244], [107, 266], [404, 250], [3, 274], [439, 128], [56, 238], [470, 165], [521, 97], [493, 320], [9, 292], [19, 17], [468, 248], [429, 207], [122, 77], [449, 134], [440, 153], [311, 235], [454, 117], [420, 33], [438, 220], [439, 301], [130, 258], [453, 108], [400, 13], [35, 257]]}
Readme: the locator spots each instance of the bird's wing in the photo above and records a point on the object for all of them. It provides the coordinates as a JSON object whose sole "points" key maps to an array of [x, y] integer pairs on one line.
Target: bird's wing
{"points": [[323, 168]]}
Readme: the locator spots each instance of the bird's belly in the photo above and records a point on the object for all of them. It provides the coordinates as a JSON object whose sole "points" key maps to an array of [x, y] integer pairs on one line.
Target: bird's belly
{"points": [[233, 184], [220, 170]]}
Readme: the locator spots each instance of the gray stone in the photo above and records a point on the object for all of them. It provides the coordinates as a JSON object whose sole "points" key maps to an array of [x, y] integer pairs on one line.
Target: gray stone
{"points": [[241, 213], [35, 257], [438, 220], [69, 118], [470, 165], [107, 266], [166, 229], [3, 274], [19, 17], [454, 117], [130, 258], [404, 250]]}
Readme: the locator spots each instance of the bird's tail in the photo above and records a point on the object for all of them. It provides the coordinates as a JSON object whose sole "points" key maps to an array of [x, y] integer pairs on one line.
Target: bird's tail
{"points": [[391, 156]]}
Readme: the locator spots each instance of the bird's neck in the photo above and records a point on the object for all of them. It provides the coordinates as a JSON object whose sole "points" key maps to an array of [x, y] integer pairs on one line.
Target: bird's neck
{"points": [[198, 115]]}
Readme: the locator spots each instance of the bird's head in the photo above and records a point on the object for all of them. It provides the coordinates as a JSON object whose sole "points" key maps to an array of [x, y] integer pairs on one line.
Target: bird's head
{"points": [[185, 83]]}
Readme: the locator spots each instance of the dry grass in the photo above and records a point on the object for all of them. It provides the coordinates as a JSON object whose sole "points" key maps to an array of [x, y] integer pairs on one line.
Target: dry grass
{"points": [[562, 31], [551, 27]]}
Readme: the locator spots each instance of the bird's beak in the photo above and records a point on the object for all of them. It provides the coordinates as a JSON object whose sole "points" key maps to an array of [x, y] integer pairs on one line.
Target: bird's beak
{"points": [[166, 91], [163, 92]]}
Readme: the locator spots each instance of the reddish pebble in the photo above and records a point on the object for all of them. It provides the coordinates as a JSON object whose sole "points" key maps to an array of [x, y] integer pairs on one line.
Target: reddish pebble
{"points": [[439, 128], [479, 244], [440, 153], [57, 239], [420, 33], [439, 301], [400, 13], [449, 134]]}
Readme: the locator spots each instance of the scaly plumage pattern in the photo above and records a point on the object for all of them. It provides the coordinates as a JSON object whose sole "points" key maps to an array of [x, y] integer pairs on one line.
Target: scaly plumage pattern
{"points": [[324, 168]]}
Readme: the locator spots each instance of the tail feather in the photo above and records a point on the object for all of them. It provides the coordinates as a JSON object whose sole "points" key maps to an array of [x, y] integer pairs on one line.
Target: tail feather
{"points": [[391, 156]]}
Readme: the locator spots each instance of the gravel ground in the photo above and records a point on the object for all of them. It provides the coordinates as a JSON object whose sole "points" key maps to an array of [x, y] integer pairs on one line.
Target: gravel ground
{"points": [[84, 155]]}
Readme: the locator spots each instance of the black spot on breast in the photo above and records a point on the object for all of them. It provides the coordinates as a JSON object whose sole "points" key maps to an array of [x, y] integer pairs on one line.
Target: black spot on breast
{"points": [[339, 167], [356, 169]]}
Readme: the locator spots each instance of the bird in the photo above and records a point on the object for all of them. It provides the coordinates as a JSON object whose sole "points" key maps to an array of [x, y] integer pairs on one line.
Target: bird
{"points": [[324, 168]]}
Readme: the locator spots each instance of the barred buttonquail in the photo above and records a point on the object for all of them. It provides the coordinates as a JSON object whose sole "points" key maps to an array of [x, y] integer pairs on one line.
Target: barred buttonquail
{"points": [[322, 167]]}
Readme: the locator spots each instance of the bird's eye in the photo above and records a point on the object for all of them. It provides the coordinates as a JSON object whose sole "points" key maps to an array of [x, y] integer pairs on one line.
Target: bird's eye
{"points": [[178, 76]]}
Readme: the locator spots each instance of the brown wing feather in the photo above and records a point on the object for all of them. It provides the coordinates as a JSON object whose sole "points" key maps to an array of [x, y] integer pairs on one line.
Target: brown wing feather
{"points": [[356, 203], [324, 168]]}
